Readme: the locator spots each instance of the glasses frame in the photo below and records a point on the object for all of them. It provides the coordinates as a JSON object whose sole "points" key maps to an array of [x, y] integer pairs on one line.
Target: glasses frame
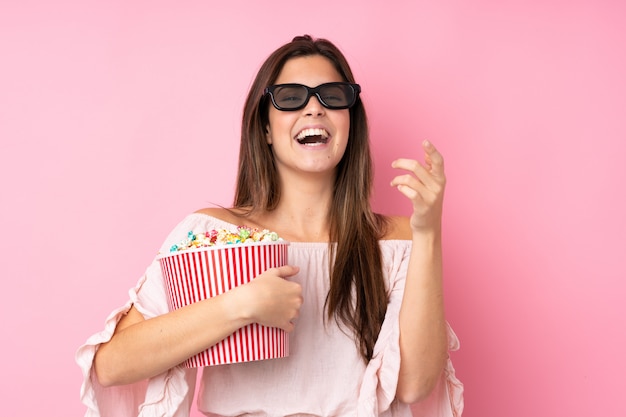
{"points": [[356, 89]]}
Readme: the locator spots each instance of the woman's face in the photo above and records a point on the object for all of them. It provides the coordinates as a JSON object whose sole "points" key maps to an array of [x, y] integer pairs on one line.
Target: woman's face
{"points": [[314, 138]]}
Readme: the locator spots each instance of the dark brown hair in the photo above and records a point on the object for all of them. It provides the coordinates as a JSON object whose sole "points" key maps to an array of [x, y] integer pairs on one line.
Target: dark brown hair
{"points": [[357, 296]]}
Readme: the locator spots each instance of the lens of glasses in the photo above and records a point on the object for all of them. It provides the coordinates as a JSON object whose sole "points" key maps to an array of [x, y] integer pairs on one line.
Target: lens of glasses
{"points": [[295, 96], [290, 96]]}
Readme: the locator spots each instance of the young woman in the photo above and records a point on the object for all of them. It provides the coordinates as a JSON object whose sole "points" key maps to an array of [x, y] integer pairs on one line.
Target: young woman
{"points": [[361, 298]]}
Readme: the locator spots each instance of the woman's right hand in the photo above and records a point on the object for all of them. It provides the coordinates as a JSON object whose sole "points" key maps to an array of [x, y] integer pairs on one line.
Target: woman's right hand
{"points": [[271, 299], [143, 348]]}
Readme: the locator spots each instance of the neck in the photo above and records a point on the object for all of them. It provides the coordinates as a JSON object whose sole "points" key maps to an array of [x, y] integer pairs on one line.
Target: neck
{"points": [[302, 213]]}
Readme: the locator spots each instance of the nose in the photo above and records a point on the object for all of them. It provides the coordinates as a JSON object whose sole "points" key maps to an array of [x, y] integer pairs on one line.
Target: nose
{"points": [[314, 107]]}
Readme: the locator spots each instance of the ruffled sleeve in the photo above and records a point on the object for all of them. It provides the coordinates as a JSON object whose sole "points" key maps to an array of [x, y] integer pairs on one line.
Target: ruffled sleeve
{"points": [[169, 394], [380, 380]]}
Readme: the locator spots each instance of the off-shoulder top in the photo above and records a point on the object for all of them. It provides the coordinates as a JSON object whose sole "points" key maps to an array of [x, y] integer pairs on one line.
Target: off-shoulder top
{"points": [[324, 375]]}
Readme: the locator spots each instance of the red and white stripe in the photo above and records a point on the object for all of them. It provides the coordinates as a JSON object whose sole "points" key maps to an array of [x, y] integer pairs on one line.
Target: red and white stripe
{"points": [[197, 274]]}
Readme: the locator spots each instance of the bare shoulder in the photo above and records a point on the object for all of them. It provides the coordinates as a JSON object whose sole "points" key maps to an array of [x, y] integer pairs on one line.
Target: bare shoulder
{"points": [[398, 228], [225, 214], [229, 215]]}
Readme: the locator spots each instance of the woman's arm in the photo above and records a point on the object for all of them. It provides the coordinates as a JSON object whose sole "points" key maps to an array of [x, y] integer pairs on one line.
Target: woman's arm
{"points": [[423, 329], [142, 348]]}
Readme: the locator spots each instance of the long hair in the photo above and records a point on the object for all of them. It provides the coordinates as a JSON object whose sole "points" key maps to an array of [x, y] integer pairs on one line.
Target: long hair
{"points": [[357, 297]]}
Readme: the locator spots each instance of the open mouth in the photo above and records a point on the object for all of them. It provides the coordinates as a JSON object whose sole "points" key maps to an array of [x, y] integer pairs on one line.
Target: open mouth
{"points": [[313, 137]]}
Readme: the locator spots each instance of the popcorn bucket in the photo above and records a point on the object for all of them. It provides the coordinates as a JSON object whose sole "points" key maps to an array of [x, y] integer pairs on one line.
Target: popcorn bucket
{"points": [[197, 274]]}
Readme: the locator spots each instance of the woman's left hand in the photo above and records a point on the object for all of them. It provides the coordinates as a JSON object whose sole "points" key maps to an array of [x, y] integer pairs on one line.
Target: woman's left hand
{"points": [[424, 185]]}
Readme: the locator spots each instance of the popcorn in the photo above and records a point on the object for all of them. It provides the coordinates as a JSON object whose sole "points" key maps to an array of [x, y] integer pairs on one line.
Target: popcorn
{"points": [[243, 234]]}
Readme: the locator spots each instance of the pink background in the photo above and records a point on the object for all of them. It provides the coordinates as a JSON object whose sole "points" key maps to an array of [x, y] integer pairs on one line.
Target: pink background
{"points": [[118, 118]]}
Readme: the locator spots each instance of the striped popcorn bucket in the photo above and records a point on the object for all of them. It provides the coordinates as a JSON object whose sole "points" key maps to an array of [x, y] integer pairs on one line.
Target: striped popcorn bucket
{"points": [[196, 274]]}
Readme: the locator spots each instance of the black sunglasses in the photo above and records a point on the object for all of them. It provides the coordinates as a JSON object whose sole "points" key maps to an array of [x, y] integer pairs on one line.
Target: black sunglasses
{"points": [[334, 96]]}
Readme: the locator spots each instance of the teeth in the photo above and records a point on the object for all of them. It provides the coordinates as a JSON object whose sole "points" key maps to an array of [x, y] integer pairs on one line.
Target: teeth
{"points": [[312, 132]]}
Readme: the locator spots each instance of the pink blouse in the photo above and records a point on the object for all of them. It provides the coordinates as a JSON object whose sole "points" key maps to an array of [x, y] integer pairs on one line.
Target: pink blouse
{"points": [[322, 376]]}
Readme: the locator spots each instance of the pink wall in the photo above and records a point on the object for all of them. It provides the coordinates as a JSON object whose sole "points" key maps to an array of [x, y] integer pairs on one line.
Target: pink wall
{"points": [[118, 118]]}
